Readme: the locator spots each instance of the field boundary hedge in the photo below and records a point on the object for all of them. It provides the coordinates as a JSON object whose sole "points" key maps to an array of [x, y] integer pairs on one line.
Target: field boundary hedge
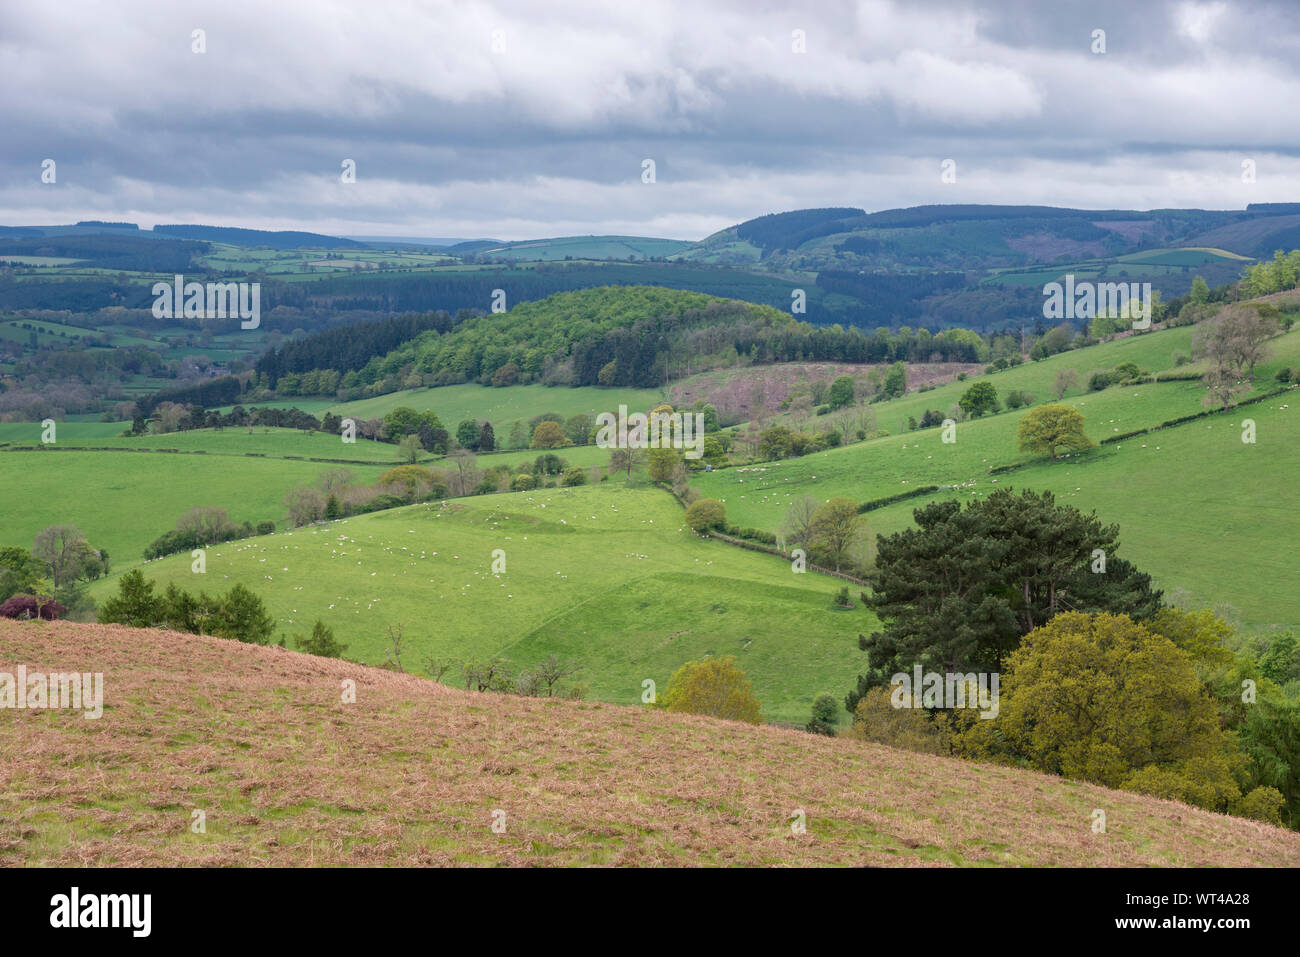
{"points": [[1184, 419]]}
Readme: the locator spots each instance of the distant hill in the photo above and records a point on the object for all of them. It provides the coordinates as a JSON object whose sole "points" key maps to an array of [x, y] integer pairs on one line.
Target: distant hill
{"points": [[120, 249], [386, 242], [279, 239], [631, 329], [576, 247]]}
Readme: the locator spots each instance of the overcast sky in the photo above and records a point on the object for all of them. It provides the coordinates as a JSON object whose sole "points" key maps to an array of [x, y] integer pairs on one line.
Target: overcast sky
{"points": [[545, 134]]}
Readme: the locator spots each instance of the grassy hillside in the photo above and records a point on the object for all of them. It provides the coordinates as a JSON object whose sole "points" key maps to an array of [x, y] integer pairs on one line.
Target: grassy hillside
{"points": [[1216, 550], [1211, 518], [606, 576], [122, 501], [262, 440], [411, 773]]}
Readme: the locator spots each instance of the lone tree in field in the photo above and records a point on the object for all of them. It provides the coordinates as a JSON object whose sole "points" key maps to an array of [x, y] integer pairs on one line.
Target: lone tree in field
{"points": [[981, 397], [797, 529], [626, 460], [837, 531], [1066, 379], [1051, 427], [409, 449], [1236, 339], [706, 513], [715, 687]]}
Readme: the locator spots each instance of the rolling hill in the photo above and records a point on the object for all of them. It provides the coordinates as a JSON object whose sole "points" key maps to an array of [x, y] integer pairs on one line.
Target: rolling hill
{"points": [[1243, 518], [260, 741], [604, 576]]}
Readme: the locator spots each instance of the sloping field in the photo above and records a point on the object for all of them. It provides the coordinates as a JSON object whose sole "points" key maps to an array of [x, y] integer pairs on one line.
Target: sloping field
{"points": [[604, 576], [123, 500], [1212, 519], [1229, 548], [262, 440], [285, 772]]}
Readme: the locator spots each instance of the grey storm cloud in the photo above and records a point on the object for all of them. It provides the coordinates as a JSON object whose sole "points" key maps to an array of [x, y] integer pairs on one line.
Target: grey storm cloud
{"points": [[520, 120]]}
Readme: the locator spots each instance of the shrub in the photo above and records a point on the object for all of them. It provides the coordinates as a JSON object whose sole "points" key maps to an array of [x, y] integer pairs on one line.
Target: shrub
{"points": [[548, 464], [242, 616], [823, 714], [876, 719], [715, 687], [1017, 398], [29, 606], [381, 502], [321, 642], [524, 482], [1284, 374], [266, 528], [1100, 380], [574, 475], [706, 513]]}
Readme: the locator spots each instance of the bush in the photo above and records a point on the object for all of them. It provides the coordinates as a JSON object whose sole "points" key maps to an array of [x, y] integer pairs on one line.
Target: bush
{"points": [[706, 513], [876, 719], [823, 715], [321, 642], [1100, 380], [1284, 374], [266, 528], [574, 475], [29, 606], [381, 502], [524, 482], [548, 464], [715, 687]]}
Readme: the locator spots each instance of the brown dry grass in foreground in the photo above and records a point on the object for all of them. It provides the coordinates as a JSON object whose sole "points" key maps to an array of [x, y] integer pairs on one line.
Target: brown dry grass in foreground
{"points": [[287, 774]]}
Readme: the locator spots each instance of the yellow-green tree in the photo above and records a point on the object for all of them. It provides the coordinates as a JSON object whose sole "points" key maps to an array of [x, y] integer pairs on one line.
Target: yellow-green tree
{"points": [[414, 478], [662, 463], [1050, 427], [836, 531], [549, 435], [1103, 699], [876, 719], [715, 687]]}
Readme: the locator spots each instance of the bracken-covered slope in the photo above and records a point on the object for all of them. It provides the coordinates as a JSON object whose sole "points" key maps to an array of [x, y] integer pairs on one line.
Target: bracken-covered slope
{"points": [[286, 773]]}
